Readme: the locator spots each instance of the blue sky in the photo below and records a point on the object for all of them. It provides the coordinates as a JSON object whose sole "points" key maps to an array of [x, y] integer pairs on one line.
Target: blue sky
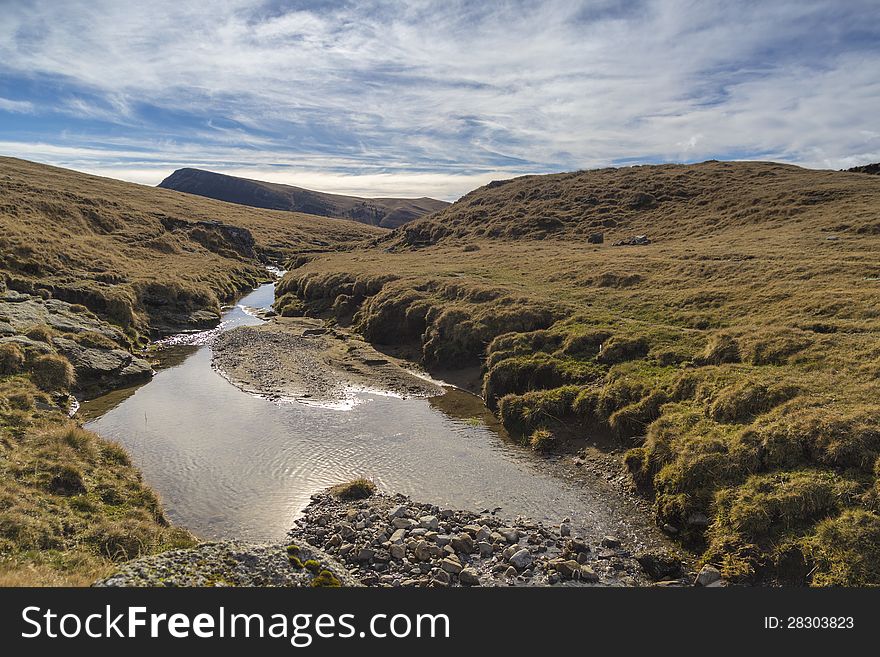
{"points": [[434, 98]]}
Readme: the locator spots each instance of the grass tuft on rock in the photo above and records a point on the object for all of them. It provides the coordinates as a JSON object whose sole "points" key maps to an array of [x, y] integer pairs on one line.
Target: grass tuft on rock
{"points": [[356, 489]]}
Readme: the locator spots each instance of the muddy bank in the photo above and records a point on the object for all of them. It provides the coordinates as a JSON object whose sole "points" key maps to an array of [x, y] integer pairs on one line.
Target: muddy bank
{"points": [[303, 359], [392, 541]]}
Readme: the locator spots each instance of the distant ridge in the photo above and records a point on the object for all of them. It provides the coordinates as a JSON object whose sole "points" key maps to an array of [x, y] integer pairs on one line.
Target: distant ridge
{"points": [[383, 212]]}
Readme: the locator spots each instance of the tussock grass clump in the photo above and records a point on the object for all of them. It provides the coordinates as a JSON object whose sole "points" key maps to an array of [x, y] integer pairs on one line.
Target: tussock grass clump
{"points": [[509, 345], [521, 414], [845, 551], [66, 480], [721, 348], [746, 400], [620, 349], [540, 371], [634, 419], [94, 340], [41, 333], [775, 346], [542, 440], [758, 524], [11, 358], [114, 453], [769, 505], [586, 344], [53, 372], [290, 306], [356, 489], [847, 439]]}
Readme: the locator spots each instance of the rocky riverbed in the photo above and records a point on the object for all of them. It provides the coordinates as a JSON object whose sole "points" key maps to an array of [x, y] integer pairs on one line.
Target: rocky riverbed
{"points": [[392, 541], [303, 359]]}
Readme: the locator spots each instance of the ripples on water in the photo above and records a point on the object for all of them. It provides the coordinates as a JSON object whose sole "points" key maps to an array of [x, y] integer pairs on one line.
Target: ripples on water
{"points": [[227, 463]]}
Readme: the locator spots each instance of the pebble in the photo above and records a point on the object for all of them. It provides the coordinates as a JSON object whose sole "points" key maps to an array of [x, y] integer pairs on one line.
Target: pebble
{"points": [[521, 559], [429, 522], [451, 565], [509, 534], [707, 575], [469, 577], [610, 542], [462, 543]]}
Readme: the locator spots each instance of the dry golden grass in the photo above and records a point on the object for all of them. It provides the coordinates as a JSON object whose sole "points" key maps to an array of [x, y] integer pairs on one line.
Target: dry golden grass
{"points": [[740, 343], [71, 504]]}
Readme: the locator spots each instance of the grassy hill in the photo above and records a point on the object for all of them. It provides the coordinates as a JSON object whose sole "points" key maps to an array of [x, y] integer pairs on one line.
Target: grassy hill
{"points": [[384, 212], [665, 202], [736, 356], [138, 255]]}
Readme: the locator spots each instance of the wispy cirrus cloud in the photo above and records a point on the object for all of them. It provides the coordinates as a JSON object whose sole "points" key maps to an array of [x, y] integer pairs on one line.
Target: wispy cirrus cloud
{"points": [[428, 97], [16, 106]]}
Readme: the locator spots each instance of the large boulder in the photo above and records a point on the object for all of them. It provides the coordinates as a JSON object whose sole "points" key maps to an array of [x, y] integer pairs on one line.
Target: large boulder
{"points": [[102, 367]]}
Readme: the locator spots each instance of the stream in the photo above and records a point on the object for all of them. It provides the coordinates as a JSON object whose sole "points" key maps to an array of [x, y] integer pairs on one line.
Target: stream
{"points": [[231, 464]]}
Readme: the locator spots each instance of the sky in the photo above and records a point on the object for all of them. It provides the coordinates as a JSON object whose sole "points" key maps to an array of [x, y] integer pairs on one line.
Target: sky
{"points": [[434, 98]]}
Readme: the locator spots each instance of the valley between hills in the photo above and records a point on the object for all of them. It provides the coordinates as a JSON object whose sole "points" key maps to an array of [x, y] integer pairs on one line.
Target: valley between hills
{"points": [[706, 336]]}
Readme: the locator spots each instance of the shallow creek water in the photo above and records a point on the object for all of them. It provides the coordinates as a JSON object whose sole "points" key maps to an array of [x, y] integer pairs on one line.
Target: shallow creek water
{"points": [[230, 464]]}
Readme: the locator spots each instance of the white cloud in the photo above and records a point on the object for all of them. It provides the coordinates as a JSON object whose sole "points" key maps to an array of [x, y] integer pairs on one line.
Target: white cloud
{"points": [[16, 106]]}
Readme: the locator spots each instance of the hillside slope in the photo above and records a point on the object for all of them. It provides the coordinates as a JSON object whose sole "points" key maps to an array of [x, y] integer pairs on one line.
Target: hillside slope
{"points": [[384, 212], [734, 355], [138, 255], [665, 201]]}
